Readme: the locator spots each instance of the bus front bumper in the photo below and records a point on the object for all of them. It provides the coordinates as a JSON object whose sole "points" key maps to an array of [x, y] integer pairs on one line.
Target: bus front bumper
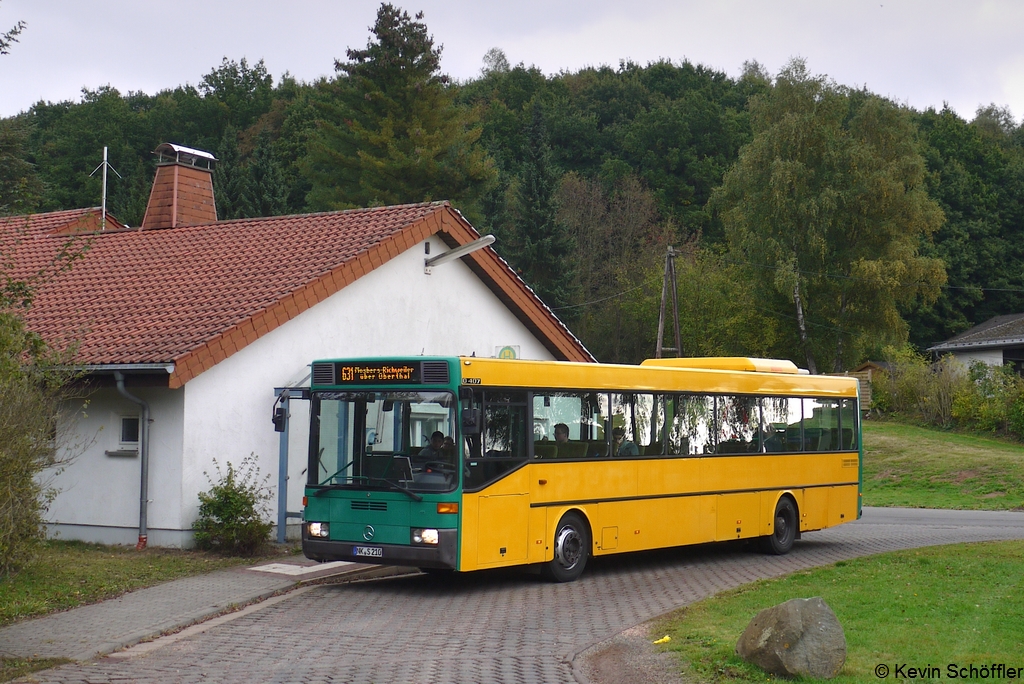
{"points": [[444, 555]]}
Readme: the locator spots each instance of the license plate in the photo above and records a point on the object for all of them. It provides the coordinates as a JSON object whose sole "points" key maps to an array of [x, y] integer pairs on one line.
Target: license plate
{"points": [[371, 551]]}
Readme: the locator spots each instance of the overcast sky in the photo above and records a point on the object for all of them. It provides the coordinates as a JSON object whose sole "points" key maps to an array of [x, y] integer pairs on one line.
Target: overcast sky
{"points": [[918, 52]]}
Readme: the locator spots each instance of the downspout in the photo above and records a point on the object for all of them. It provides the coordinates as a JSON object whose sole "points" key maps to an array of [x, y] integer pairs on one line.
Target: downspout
{"points": [[143, 457]]}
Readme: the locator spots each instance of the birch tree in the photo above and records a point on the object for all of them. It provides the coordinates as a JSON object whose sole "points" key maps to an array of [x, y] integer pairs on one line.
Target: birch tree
{"points": [[826, 209]]}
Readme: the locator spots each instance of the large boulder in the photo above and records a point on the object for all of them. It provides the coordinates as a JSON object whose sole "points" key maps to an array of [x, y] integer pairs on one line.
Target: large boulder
{"points": [[798, 637]]}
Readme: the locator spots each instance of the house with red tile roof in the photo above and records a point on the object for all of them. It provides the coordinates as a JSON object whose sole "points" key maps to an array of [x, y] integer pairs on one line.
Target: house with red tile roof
{"points": [[199, 320]]}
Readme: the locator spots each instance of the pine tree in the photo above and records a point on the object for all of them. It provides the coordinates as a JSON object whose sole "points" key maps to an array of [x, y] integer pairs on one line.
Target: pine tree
{"points": [[268, 193], [396, 134], [231, 180], [541, 246]]}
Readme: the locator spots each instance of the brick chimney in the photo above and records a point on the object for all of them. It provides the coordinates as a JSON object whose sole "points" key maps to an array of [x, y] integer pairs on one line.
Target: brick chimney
{"points": [[182, 192]]}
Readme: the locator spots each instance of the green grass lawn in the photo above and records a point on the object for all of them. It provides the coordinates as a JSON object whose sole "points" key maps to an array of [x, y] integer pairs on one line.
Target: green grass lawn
{"points": [[906, 465], [935, 606], [69, 574]]}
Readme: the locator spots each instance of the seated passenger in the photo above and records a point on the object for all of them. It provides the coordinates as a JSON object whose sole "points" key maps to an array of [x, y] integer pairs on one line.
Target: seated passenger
{"points": [[622, 446], [561, 432]]}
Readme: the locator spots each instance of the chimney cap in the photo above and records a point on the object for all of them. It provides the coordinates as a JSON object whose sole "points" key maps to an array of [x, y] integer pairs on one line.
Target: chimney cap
{"points": [[183, 155]]}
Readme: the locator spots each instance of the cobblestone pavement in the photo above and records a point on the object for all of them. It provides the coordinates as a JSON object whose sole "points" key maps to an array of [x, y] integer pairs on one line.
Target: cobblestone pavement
{"points": [[500, 626]]}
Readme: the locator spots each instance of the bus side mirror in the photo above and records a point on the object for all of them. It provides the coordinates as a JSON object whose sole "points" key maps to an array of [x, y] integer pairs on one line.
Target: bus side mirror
{"points": [[471, 421], [280, 416]]}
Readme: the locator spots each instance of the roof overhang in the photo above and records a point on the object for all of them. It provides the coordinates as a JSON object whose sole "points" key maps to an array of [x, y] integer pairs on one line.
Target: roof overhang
{"points": [[986, 344]]}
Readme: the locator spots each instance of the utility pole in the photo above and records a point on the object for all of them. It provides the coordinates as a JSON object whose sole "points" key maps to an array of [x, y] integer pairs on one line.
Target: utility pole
{"points": [[670, 273], [104, 165]]}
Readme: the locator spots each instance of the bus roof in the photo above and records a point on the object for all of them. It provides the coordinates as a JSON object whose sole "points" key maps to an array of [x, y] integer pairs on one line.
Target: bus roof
{"points": [[729, 363], [722, 376]]}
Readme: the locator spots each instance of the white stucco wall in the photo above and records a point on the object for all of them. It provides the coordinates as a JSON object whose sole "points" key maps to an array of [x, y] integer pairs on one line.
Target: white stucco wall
{"points": [[395, 310], [99, 494], [992, 357]]}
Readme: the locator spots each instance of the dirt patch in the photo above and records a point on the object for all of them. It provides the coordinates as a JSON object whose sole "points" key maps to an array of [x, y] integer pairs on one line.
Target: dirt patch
{"points": [[628, 658], [993, 495], [961, 476]]}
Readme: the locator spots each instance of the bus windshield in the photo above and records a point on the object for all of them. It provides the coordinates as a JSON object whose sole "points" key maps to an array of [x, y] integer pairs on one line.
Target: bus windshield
{"points": [[402, 440]]}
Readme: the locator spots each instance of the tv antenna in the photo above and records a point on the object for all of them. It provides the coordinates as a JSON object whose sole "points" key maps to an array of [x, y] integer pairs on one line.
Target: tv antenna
{"points": [[670, 273], [104, 165]]}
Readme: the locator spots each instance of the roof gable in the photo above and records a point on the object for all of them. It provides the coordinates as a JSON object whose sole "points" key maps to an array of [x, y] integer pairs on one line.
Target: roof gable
{"points": [[193, 295]]}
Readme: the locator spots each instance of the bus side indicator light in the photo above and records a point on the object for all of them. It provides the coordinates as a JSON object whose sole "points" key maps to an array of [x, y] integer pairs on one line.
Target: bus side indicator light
{"points": [[448, 508]]}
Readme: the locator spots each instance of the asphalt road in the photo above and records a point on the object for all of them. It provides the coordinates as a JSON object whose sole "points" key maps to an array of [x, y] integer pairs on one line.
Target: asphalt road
{"points": [[498, 626]]}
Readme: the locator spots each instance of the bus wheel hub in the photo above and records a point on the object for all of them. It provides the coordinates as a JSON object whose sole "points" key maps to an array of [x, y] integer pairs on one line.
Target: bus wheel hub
{"points": [[568, 547]]}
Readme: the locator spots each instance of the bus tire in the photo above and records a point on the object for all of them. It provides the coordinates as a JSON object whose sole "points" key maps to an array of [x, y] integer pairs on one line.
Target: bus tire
{"points": [[780, 541], [571, 549]]}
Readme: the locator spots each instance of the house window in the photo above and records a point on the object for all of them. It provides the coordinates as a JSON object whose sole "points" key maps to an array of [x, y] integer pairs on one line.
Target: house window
{"points": [[127, 437], [129, 432]]}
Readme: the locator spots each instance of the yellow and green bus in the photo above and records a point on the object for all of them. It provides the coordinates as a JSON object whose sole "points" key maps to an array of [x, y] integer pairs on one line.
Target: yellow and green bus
{"points": [[468, 463]]}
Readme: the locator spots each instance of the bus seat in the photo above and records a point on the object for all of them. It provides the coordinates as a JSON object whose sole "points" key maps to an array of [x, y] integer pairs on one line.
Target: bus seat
{"points": [[732, 446], [793, 439], [545, 449], [825, 441], [848, 438], [812, 436], [572, 450], [597, 449]]}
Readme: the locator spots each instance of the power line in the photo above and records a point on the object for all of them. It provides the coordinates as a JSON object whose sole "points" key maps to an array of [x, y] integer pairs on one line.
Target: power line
{"points": [[800, 271]]}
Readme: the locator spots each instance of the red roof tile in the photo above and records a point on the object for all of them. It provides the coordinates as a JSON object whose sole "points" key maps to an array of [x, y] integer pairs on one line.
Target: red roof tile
{"points": [[171, 295]]}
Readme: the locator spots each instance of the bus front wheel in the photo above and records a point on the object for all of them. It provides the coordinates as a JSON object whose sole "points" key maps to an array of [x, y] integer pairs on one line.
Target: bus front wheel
{"points": [[572, 548], [780, 541]]}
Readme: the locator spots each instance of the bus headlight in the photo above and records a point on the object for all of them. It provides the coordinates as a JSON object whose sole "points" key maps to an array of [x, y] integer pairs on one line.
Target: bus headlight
{"points": [[424, 536], [319, 529]]}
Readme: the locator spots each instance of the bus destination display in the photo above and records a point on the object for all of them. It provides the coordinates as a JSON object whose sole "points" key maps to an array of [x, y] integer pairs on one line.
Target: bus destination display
{"points": [[377, 373]]}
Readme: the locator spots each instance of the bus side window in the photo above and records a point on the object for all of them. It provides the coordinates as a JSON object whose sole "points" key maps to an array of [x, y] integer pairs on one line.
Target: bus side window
{"points": [[504, 439], [691, 424], [848, 424], [774, 417], [821, 425], [505, 428], [553, 409], [650, 420], [737, 421]]}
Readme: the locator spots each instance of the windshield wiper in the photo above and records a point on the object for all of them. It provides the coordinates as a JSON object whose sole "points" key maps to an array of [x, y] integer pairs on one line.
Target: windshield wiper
{"points": [[398, 488], [391, 484], [331, 488]]}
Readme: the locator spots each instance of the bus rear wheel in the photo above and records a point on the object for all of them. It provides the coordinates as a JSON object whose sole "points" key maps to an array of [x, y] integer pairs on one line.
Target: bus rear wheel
{"points": [[780, 541], [572, 548]]}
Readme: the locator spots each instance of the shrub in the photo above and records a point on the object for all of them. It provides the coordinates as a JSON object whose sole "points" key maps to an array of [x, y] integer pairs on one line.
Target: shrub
{"points": [[987, 402], [32, 398], [233, 514], [914, 388], [1015, 416]]}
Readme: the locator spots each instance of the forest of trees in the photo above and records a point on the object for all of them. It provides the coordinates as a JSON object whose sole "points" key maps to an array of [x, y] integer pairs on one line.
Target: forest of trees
{"points": [[815, 222]]}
